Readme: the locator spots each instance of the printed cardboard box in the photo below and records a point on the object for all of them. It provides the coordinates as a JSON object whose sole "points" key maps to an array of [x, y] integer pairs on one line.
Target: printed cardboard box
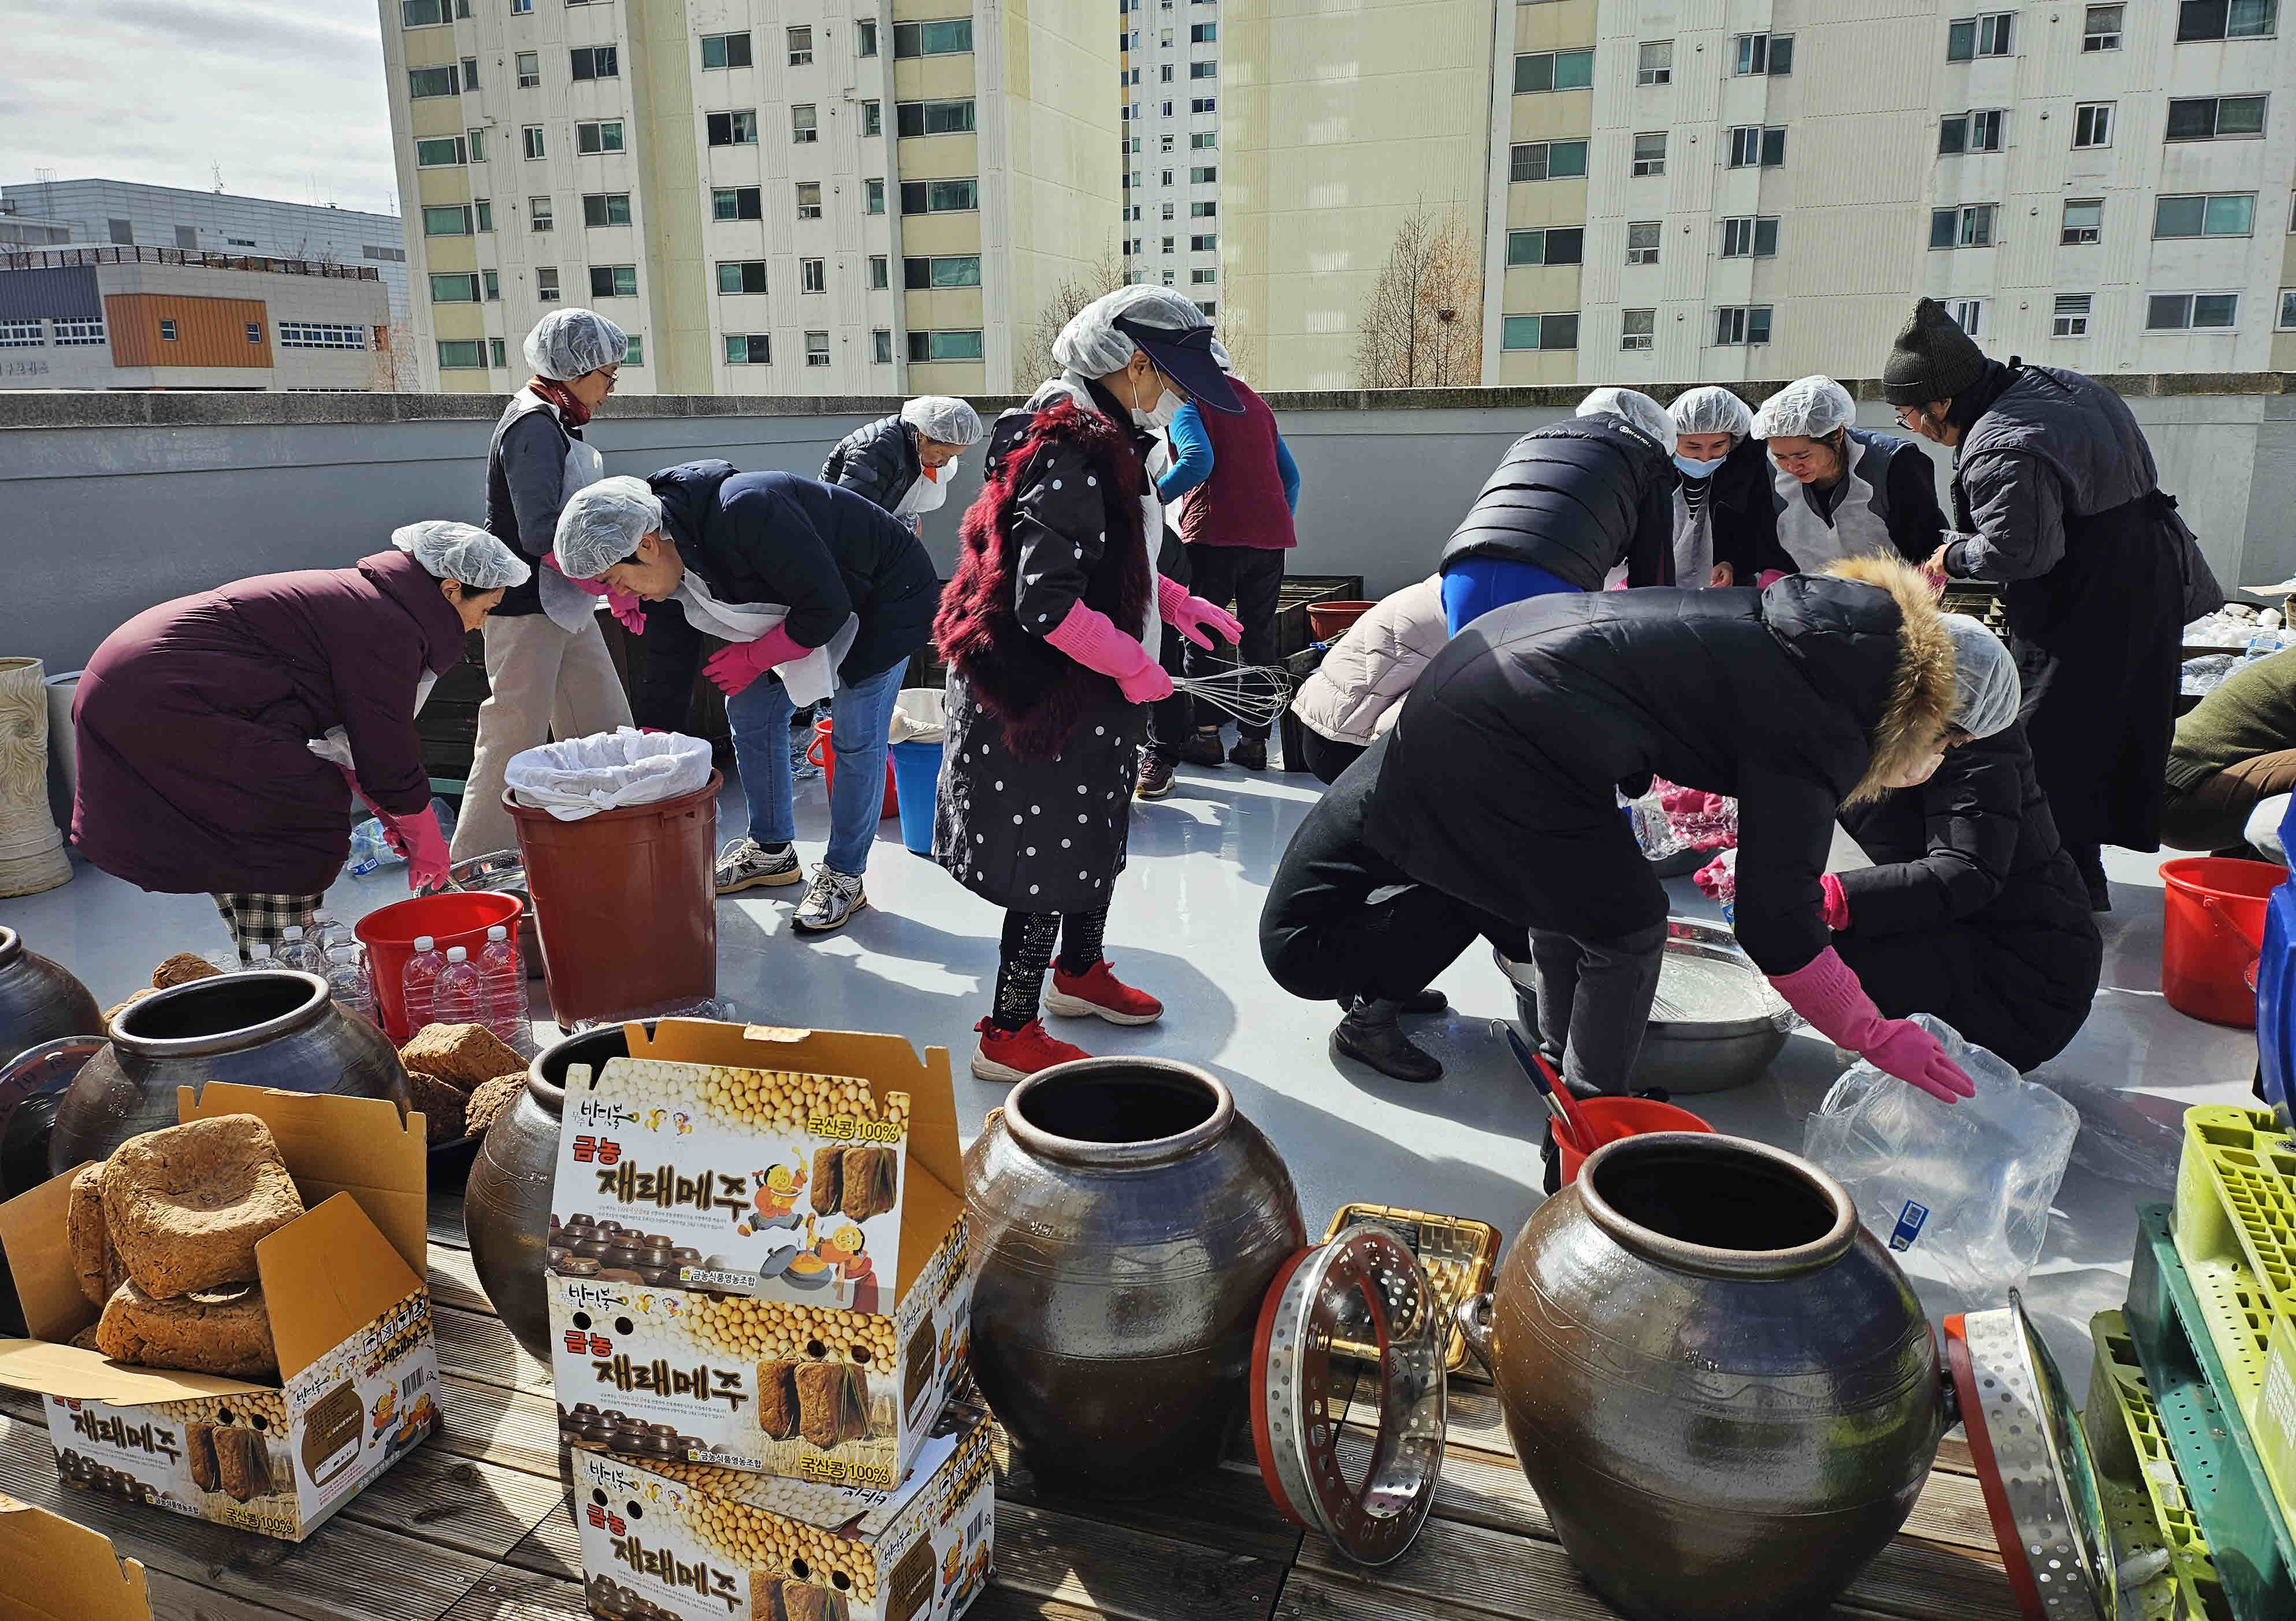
{"points": [[665, 1540], [80, 1577], [702, 1309], [350, 1319]]}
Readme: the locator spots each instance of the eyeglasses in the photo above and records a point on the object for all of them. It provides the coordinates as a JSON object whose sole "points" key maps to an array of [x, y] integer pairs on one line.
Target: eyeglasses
{"points": [[1909, 417]]}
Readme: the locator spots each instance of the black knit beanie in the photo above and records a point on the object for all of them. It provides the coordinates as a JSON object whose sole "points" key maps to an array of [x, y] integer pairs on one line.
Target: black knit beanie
{"points": [[1932, 359]]}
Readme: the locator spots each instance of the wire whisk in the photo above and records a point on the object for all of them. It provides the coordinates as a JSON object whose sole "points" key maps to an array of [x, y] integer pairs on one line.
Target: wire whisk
{"points": [[1256, 694]]}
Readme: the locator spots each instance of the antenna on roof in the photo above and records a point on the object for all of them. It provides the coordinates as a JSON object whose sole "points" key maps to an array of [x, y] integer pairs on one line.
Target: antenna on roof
{"points": [[218, 168]]}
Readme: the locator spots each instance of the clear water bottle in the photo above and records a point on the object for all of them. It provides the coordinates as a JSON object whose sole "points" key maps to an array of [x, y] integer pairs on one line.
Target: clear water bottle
{"points": [[502, 982], [327, 933], [300, 954], [347, 982], [259, 958], [419, 984], [458, 998], [370, 851]]}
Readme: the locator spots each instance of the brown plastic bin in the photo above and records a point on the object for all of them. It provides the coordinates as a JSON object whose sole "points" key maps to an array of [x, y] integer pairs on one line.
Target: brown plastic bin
{"points": [[625, 902]]}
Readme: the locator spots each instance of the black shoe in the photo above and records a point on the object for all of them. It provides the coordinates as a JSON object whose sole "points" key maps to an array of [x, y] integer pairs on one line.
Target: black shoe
{"points": [[2100, 891], [1202, 748], [1385, 1049], [1427, 1001], [1250, 753], [1155, 778]]}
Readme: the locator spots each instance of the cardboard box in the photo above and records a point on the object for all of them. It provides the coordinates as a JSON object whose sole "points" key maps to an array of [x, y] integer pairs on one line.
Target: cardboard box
{"points": [[2273, 1425], [80, 1577], [682, 1210], [350, 1319], [663, 1540]]}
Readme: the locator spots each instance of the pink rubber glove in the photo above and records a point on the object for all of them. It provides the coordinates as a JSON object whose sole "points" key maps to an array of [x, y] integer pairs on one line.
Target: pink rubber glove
{"points": [[1086, 635], [1836, 907], [628, 612], [735, 668], [1190, 614], [419, 840], [370, 804], [1828, 995]]}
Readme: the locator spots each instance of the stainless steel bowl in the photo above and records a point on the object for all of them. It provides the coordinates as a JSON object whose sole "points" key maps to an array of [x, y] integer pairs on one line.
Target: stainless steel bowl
{"points": [[1692, 1054], [503, 872]]}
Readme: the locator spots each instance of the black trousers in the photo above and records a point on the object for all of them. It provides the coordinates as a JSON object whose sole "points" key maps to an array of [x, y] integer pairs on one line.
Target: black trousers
{"points": [[1252, 579], [661, 691], [1170, 720], [1964, 976], [1325, 758]]}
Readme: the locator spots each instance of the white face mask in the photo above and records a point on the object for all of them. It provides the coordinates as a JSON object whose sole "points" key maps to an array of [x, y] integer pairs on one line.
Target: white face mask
{"points": [[1916, 774], [1696, 469], [1159, 416]]}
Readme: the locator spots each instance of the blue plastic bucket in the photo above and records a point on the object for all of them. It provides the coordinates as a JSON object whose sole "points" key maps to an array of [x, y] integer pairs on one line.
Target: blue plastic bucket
{"points": [[916, 769]]}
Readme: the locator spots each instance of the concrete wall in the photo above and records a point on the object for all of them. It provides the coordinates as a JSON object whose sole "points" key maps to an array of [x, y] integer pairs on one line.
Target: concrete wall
{"points": [[111, 503]]}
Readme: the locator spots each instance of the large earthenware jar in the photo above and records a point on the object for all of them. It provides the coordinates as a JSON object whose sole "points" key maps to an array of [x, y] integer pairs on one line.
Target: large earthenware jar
{"points": [[275, 1029], [506, 1201], [1129, 1221], [1721, 1387], [39, 1000]]}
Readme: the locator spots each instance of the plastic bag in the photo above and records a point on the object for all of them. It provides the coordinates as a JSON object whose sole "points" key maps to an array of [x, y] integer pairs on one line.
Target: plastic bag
{"points": [[919, 716], [608, 770], [371, 851], [1960, 1192]]}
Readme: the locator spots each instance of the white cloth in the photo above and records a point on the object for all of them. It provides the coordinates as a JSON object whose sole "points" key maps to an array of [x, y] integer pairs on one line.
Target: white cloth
{"points": [[570, 608], [809, 678], [583, 776], [335, 744], [1693, 540], [926, 493]]}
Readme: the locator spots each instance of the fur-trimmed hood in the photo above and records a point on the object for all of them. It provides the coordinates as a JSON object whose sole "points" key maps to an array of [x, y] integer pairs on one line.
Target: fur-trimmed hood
{"points": [[1921, 699]]}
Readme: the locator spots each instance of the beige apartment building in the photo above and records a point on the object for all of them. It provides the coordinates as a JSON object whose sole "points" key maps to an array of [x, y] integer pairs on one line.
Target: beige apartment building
{"points": [[817, 197]]}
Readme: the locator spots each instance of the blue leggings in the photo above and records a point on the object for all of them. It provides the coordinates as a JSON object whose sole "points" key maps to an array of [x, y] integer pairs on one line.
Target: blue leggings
{"points": [[1473, 585]]}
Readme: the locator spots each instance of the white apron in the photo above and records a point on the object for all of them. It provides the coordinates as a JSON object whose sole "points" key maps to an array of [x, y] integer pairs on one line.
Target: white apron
{"points": [[1693, 539], [570, 608], [1857, 530], [809, 678]]}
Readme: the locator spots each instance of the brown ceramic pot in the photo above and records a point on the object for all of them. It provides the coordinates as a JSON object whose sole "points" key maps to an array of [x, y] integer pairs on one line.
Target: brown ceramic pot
{"points": [[40, 1001]]}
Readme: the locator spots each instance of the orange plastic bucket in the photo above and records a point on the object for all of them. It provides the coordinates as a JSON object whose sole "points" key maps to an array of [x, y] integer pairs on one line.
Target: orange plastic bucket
{"points": [[1612, 1118], [823, 756], [1327, 621], [2211, 930], [459, 917]]}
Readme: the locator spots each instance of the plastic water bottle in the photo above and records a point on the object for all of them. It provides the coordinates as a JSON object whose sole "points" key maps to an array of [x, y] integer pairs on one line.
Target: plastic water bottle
{"points": [[258, 956], [348, 983], [458, 998], [327, 933], [300, 954], [2263, 645], [502, 983], [418, 984], [369, 850]]}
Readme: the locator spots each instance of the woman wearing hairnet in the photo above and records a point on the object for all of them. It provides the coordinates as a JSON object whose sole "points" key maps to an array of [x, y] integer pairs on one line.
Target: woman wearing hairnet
{"points": [[216, 732], [1570, 504], [1725, 530], [1050, 628], [548, 672], [905, 463], [1841, 491]]}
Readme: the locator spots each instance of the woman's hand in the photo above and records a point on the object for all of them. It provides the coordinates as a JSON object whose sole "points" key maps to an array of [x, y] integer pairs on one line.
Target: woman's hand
{"points": [[1722, 575]]}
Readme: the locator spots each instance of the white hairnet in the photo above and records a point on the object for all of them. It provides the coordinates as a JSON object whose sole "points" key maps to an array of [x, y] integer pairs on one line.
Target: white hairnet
{"points": [[951, 422], [1219, 356], [1628, 405], [1986, 689], [1090, 343], [1808, 408], [601, 524], [1711, 410], [569, 342], [461, 552]]}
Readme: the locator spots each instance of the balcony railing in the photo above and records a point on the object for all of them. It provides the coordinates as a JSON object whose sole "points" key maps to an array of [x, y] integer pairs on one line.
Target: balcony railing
{"points": [[60, 259]]}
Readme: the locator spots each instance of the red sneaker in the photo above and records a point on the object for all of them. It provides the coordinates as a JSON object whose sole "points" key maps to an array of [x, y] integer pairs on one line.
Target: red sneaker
{"points": [[1099, 993], [1015, 1054]]}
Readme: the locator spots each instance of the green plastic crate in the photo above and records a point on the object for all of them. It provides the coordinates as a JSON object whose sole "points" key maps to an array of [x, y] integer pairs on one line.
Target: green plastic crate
{"points": [[2142, 1490]]}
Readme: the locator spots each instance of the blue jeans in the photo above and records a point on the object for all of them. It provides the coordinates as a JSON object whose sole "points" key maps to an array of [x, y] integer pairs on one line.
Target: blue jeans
{"points": [[860, 716], [1473, 585]]}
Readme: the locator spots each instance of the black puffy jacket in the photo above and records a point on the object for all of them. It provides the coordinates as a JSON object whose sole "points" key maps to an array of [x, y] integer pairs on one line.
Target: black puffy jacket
{"points": [[1576, 499], [821, 551], [877, 461], [1746, 516]]}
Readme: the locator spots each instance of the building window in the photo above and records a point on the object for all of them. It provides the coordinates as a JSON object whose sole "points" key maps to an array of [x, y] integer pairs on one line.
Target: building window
{"points": [[1642, 242], [606, 209], [944, 346], [1558, 245], [528, 66], [1203, 211], [485, 209], [2084, 222], [1970, 226], [427, 13], [445, 222], [1968, 314], [953, 117], [726, 51], [2214, 117], [733, 128], [522, 8], [1546, 160], [539, 214], [2192, 311], [545, 283], [22, 334], [800, 47], [1202, 33], [425, 82], [1969, 37], [1206, 243], [470, 73], [1202, 103], [816, 349], [1737, 324], [79, 332], [499, 359], [749, 348], [2100, 31], [1965, 132], [813, 275], [805, 124], [1636, 327], [477, 138], [880, 272], [613, 280], [456, 289], [942, 270], [1540, 330], [2224, 214], [1764, 53], [606, 136], [443, 152], [1167, 245], [1205, 277], [1654, 63], [2092, 125], [864, 37], [808, 200], [1553, 70], [736, 202], [320, 334], [596, 62], [950, 37], [1203, 140], [1204, 69], [1753, 146], [493, 284], [1203, 175], [1650, 152], [2287, 309], [873, 196], [255, 332], [530, 141], [873, 118], [881, 346], [2070, 317], [461, 355], [741, 275], [2227, 19], [1754, 237], [939, 196]]}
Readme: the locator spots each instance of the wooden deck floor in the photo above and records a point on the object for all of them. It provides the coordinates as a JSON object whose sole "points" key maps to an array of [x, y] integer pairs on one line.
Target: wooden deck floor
{"points": [[472, 1527]]}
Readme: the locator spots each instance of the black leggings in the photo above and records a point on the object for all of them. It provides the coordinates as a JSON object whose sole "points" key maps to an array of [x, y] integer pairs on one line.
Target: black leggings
{"points": [[1026, 951]]}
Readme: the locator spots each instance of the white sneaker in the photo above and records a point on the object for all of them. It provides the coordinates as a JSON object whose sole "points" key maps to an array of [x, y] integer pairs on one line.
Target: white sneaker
{"points": [[830, 902], [743, 864]]}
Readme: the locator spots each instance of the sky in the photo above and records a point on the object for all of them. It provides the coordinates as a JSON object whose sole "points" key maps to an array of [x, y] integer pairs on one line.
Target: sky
{"points": [[288, 99]]}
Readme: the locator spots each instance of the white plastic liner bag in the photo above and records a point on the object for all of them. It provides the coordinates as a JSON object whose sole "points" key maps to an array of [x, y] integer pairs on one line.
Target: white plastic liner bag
{"points": [[607, 771]]}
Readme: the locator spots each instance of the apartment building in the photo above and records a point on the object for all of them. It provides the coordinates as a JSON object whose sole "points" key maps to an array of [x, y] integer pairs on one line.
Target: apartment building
{"points": [[817, 197], [1170, 83]]}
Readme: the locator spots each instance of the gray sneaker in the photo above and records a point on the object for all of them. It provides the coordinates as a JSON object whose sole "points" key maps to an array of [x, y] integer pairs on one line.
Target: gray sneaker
{"points": [[830, 902], [743, 864]]}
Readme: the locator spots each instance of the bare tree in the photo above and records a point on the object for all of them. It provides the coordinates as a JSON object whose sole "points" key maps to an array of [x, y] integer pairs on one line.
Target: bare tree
{"points": [[1421, 325], [1034, 361]]}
